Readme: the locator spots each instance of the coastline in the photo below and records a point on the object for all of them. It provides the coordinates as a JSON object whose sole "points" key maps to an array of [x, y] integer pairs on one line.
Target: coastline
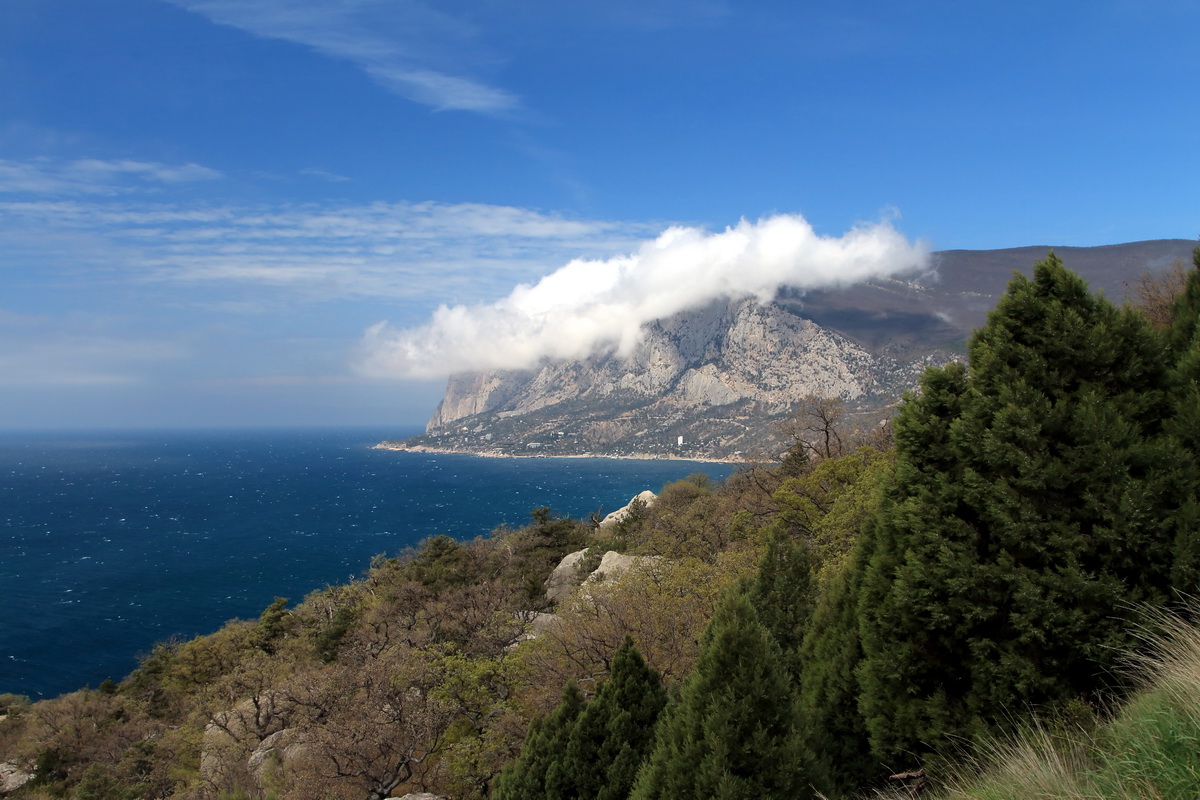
{"points": [[420, 448]]}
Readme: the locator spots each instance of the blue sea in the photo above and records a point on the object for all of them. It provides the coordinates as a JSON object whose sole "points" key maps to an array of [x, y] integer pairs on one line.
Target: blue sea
{"points": [[111, 542]]}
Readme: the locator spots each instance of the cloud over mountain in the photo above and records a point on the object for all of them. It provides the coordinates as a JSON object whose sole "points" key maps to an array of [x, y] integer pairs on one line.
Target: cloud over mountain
{"points": [[590, 306]]}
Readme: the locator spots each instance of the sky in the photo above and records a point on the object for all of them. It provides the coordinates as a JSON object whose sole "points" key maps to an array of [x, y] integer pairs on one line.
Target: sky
{"points": [[226, 213]]}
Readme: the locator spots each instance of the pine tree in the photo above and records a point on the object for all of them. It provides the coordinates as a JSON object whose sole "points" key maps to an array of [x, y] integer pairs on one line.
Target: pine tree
{"points": [[526, 777], [1183, 340], [614, 733], [1033, 506], [783, 595], [833, 730], [733, 731]]}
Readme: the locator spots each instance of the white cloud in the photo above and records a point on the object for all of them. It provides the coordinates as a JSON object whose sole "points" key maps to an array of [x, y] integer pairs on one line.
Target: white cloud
{"points": [[399, 44], [324, 174], [422, 252], [93, 176], [588, 306]]}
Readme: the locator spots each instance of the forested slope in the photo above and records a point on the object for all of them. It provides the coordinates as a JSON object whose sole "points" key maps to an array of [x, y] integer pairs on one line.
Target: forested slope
{"points": [[862, 609]]}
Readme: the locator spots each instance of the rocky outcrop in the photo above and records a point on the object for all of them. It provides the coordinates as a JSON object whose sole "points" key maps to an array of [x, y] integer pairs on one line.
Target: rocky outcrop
{"points": [[615, 564], [574, 571], [12, 777], [646, 498], [476, 393], [566, 576], [248, 740], [723, 354], [702, 384]]}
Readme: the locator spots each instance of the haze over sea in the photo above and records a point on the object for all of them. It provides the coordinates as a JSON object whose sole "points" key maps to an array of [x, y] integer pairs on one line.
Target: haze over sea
{"points": [[115, 541]]}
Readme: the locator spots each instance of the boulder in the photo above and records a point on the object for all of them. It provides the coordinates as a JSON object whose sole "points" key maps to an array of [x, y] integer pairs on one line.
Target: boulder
{"points": [[614, 564], [612, 520], [12, 777], [565, 576], [279, 748]]}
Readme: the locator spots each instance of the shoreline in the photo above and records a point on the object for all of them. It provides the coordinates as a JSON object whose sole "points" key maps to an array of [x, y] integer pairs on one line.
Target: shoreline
{"points": [[420, 448]]}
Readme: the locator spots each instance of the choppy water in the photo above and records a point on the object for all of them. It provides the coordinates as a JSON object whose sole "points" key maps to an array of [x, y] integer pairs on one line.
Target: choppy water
{"points": [[112, 542]]}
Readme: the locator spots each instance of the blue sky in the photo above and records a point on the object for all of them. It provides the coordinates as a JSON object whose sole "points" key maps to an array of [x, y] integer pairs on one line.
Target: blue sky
{"points": [[208, 206]]}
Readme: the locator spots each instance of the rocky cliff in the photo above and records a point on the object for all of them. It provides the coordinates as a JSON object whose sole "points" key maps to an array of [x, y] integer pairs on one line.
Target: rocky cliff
{"points": [[714, 382], [701, 384]]}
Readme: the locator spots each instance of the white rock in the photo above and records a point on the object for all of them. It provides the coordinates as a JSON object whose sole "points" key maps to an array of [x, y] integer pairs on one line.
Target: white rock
{"points": [[647, 497], [12, 777], [565, 576]]}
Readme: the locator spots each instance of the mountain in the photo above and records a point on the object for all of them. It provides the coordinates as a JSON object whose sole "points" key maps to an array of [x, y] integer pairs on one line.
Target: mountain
{"points": [[715, 382]]}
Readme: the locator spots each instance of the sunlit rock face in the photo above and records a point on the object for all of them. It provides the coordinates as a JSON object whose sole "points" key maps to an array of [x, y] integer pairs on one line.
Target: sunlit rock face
{"points": [[713, 376]]}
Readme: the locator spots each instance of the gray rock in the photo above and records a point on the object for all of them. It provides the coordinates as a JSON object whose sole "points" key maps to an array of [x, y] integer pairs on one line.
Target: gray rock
{"points": [[565, 576], [615, 564], [12, 777], [647, 497], [281, 747]]}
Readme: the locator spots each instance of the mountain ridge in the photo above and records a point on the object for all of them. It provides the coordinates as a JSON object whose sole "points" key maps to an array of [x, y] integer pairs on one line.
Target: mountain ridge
{"points": [[715, 382]]}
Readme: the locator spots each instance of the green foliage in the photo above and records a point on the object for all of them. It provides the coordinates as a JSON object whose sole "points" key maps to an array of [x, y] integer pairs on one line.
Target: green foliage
{"points": [[783, 593], [526, 778], [827, 503], [1034, 503], [692, 518], [99, 783], [733, 731], [272, 624], [441, 562], [1148, 749], [614, 733], [536, 549], [834, 730], [1184, 342], [13, 704], [330, 638]]}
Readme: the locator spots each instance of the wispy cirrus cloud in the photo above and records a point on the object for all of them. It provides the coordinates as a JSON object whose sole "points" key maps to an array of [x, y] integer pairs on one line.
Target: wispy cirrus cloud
{"points": [[421, 252], [94, 176], [408, 47]]}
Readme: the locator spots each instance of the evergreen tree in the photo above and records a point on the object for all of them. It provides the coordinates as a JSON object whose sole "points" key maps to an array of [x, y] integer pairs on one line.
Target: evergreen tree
{"points": [[783, 594], [733, 731], [1033, 506], [525, 778], [614, 733], [833, 729], [1184, 342]]}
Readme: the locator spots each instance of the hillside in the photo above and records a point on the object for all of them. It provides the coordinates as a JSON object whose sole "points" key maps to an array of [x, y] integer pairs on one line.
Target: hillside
{"points": [[862, 613], [714, 383]]}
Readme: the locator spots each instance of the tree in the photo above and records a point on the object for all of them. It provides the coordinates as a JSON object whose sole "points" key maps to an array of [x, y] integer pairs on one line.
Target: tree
{"points": [[1033, 506], [783, 594], [833, 728], [546, 741], [1183, 339], [368, 728], [1155, 293], [614, 733], [733, 731]]}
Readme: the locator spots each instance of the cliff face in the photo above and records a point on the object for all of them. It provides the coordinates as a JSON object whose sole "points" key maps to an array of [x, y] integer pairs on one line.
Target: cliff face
{"points": [[725, 353], [710, 376], [714, 382]]}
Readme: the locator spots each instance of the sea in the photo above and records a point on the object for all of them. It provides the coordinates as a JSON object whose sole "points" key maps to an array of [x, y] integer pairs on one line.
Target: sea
{"points": [[111, 542]]}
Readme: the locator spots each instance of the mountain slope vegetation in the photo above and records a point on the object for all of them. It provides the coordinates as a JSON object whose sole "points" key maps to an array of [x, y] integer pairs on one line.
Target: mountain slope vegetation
{"points": [[860, 609]]}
